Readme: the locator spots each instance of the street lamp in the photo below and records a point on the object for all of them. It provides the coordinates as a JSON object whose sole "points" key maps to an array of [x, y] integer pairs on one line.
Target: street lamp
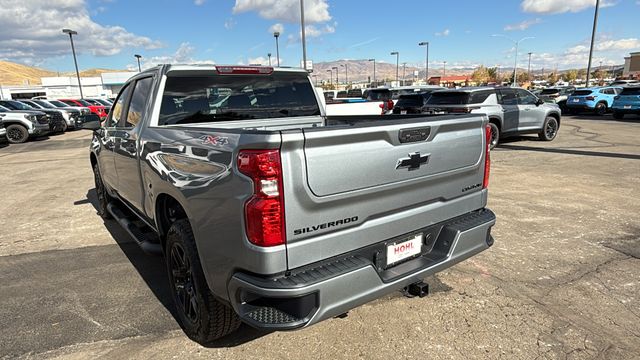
{"points": [[444, 69], [73, 50], [269, 56], [138, 58], [397, 54], [404, 76], [304, 43], [515, 66], [346, 72], [330, 76], [529, 68], [374, 70], [426, 63], [337, 77], [277, 35], [593, 36]]}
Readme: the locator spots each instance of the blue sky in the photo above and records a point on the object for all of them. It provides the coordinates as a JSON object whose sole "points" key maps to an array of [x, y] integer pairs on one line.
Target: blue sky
{"points": [[239, 31]]}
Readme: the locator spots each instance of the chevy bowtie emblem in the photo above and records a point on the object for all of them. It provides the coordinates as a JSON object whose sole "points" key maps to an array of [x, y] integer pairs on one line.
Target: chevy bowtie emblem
{"points": [[413, 162]]}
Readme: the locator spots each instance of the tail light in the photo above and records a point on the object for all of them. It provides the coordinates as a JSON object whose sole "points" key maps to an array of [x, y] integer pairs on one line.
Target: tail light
{"points": [[386, 106], [590, 98], [264, 211], [487, 158]]}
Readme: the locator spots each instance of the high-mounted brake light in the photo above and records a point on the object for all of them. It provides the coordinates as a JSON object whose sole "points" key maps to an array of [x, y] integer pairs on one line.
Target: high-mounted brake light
{"points": [[487, 158], [264, 211], [232, 70]]}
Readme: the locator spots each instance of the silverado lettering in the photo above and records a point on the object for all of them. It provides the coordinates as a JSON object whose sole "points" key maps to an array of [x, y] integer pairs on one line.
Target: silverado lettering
{"points": [[325, 225]]}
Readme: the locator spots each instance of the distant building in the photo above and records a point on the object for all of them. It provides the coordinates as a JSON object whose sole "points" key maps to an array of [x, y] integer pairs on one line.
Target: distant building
{"points": [[451, 81], [632, 66], [105, 85]]}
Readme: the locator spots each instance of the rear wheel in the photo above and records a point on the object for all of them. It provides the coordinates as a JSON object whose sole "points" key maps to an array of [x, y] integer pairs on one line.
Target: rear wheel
{"points": [[202, 317], [17, 134], [101, 192], [65, 127], [600, 109], [618, 115], [549, 129], [495, 135]]}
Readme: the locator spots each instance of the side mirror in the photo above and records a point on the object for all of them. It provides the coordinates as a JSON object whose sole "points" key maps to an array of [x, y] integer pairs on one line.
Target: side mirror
{"points": [[91, 125], [539, 102]]}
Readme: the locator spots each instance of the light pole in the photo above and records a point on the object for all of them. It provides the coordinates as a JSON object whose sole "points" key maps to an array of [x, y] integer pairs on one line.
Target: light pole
{"points": [[529, 68], [593, 36], [426, 63], [397, 54], [73, 50], [330, 76], [138, 58], [277, 35], [337, 77], [374, 70], [346, 73], [404, 76], [304, 43], [444, 69], [269, 56], [515, 66]]}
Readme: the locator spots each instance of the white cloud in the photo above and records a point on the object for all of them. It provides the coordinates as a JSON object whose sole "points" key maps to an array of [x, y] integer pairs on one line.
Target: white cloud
{"points": [[445, 32], [560, 6], [199, 2], [276, 27], [183, 55], [607, 45], [315, 11], [32, 31], [312, 31], [229, 24], [523, 25]]}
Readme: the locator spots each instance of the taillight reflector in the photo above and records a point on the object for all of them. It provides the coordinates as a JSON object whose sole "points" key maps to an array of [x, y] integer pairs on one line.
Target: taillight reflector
{"points": [[487, 158], [590, 98], [264, 211], [260, 70]]}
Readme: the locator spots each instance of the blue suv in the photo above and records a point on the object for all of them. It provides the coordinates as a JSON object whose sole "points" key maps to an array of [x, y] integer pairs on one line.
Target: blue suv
{"points": [[596, 99], [628, 102]]}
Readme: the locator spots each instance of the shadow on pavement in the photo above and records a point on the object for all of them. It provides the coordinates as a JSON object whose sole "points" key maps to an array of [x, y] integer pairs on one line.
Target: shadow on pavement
{"points": [[571, 152], [629, 118], [154, 273]]}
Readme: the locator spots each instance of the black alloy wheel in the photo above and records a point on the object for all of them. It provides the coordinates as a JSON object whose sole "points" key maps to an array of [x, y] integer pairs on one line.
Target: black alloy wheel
{"points": [[183, 284]]}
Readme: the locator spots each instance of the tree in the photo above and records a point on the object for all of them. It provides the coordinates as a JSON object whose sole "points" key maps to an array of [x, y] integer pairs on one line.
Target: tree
{"points": [[581, 74], [552, 78], [480, 75], [571, 75], [493, 74]]}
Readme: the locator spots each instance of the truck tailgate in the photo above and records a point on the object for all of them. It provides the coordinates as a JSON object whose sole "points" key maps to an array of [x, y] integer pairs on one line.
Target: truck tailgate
{"points": [[366, 183]]}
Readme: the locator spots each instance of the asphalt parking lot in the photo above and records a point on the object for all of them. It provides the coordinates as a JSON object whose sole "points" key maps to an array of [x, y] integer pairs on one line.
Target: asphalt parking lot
{"points": [[561, 282]]}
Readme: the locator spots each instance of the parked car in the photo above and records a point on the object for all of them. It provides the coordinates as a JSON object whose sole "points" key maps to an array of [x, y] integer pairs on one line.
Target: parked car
{"points": [[511, 111], [57, 124], [413, 103], [3, 131], [84, 111], [100, 102], [557, 95], [411, 90], [627, 102], [298, 222], [625, 83], [96, 109], [62, 116], [595, 99], [23, 124], [72, 115]]}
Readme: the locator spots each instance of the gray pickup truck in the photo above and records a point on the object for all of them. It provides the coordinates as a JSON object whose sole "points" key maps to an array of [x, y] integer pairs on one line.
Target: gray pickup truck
{"points": [[268, 212]]}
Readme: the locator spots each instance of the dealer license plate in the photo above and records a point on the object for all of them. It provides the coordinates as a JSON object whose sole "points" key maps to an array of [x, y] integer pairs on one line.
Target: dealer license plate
{"points": [[576, 100], [627, 106], [403, 250], [403, 112]]}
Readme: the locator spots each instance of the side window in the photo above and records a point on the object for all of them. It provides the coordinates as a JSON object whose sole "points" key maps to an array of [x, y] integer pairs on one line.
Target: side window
{"points": [[138, 102], [479, 97], [118, 107], [508, 97], [525, 97]]}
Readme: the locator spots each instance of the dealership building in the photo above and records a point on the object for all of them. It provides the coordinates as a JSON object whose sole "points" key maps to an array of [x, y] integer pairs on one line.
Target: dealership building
{"points": [[632, 66], [105, 85]]}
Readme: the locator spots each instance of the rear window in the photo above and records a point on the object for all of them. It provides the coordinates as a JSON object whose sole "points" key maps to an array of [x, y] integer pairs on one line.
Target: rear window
{"points": [[449, 98], [215, 98], [410, 101], [549, 91], [377, 94], [582, 92], [631, 91]]}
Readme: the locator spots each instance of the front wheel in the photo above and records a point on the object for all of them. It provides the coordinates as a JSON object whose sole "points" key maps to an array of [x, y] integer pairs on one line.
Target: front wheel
{"points": [[202, 317], [17, 134], [618, 115], [600, 109], [549, 129]]}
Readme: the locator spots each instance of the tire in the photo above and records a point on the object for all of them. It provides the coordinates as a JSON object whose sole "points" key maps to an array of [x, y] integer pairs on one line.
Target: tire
{"points": [[65, 126], [549, 129], [17, 134], [618, 115], [101, 192], [495, 135], [600, 109], [202, 317]]}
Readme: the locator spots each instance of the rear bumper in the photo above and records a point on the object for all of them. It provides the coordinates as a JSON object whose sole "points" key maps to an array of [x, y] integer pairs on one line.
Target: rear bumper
{"points": [[320, 291], [622, 110], [580, 106]]}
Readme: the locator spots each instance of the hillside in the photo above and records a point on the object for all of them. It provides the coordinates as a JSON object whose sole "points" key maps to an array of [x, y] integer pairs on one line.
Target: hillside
{"points": [[18, 74]]}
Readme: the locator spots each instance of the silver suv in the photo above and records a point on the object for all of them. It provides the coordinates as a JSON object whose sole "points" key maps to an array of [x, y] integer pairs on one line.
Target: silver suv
{"points": [[511, 111]]}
